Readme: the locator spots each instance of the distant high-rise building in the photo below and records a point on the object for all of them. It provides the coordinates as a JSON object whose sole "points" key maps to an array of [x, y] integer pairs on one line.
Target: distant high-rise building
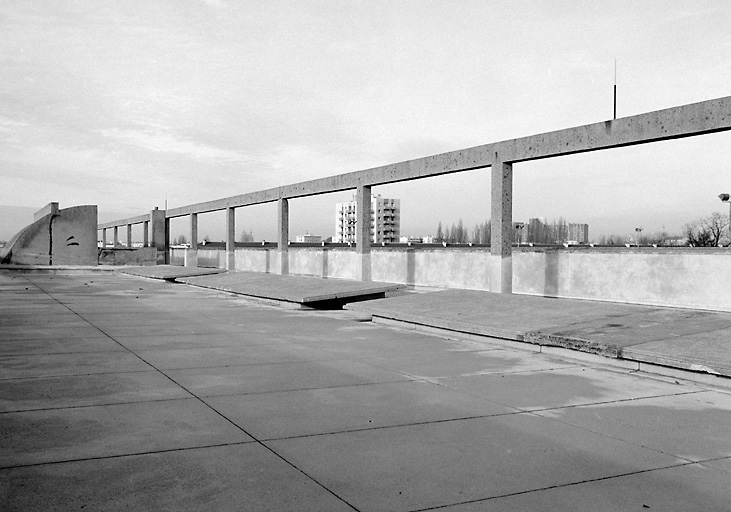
{"points": [[579, 233], [538, 232], [385, 220]]}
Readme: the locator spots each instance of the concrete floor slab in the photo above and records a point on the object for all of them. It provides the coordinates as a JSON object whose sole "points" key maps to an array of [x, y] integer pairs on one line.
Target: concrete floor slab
{"points": [[338, 409], [646, 326], [260, 378], [674, 489], [422, 466], [170, 272], [561, 387], [437, 365], [43, 332], [226, 478], [657, 335], [208, 357], [222, 339], [662, 423], [47, 365], [710, 351], [295, 289], [93, 433], [58, 346], [82, 390], [54, 435]]}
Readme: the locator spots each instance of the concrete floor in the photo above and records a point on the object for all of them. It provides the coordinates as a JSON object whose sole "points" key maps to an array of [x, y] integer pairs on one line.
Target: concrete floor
{"points": [[118, 393]]}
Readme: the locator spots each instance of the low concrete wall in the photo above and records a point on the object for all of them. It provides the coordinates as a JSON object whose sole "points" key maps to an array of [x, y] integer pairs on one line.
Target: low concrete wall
{"points": [[681, 277], [60, 237], [677, 277], [140, 256]]}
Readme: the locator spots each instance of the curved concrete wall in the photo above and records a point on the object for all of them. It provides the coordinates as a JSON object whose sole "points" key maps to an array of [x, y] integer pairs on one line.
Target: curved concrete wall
{"points": [[63, 237]]}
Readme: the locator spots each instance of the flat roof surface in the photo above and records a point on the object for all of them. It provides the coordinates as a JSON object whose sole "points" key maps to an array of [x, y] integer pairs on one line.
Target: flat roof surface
{"points": [[688, 339], [118, 392]]}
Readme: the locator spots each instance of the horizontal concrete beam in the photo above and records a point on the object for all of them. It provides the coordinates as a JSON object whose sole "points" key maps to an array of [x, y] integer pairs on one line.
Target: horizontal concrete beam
{"points": [[684, 121], [124, 222], [672, 123]]}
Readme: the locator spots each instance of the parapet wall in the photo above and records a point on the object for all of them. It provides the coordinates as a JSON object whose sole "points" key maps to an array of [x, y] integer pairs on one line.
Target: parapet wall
{"points": [[676, 277], [57, 237]]}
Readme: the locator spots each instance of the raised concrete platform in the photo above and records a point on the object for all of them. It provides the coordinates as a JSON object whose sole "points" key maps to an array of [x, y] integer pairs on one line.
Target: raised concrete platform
{"points": [[169, 272], [694, 340], [293, 291], [118, 393]]}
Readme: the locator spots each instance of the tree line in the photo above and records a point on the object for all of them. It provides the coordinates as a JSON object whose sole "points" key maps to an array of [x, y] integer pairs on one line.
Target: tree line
{"points": [[708, 231], [458, 234]]}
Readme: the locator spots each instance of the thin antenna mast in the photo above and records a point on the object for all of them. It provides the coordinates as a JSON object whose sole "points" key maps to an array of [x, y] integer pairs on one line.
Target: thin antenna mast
{"points": [[615, 88]]}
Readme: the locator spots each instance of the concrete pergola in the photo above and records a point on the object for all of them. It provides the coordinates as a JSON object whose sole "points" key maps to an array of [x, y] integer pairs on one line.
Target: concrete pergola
{"points": [[684, 121]]}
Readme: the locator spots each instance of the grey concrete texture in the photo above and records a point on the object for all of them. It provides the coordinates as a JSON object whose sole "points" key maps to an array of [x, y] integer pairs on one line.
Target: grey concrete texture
{"points": [[686, 339], [169, 272], [294, 289], [209, 401]]}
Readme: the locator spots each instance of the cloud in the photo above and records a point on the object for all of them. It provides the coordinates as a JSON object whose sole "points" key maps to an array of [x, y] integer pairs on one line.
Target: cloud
{"points": [[160, 141]]}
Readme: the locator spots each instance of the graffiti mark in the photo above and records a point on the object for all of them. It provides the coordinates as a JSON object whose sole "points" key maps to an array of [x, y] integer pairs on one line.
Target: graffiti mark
{"points": [[70, 241]]}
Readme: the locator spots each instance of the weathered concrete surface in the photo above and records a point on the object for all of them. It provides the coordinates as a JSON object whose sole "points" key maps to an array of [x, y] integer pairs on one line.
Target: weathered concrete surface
{"points": [[59, 237], [325, 413], [124, 256], [292, 289], [679, 338], [169, 272]]}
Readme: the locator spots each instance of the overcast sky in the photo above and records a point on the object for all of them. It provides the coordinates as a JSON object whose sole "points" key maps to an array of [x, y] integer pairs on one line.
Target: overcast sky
{"points": [[127, 104]]}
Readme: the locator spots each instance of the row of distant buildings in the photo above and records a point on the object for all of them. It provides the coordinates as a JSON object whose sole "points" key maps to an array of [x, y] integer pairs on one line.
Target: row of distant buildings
{"points": [[386, 226], [539, 231]]}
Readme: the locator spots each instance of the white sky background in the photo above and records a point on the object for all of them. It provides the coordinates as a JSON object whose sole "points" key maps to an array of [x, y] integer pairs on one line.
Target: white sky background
{"points": [[125, 104]]}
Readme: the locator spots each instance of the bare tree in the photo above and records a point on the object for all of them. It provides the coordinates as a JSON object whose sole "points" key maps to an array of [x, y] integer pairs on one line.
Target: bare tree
{"points": [[706, 231]]}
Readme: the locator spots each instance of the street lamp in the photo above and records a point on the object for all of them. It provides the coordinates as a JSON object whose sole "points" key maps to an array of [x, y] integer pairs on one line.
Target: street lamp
{"points": [[725, 198]]}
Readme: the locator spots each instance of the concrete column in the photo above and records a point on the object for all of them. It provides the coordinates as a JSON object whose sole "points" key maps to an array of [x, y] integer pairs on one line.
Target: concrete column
{"points": [[191, 254], [159, 234], [104, 237], [116, 236], [129, 236], [501, 241], [363, 231], [145, 233], [283, 235], [230, 238]]}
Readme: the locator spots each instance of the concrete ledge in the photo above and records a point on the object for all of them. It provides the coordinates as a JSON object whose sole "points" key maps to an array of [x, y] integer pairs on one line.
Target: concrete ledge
{"points": [[308, 291], [169, 272]]}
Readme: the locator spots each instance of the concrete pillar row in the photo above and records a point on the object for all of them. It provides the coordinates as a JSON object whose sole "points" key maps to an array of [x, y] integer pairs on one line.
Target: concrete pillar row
{"points": [[230, 238], [363, 231], [145, 233], [283, 235], [129, 236], [104, 237], [116, 236], [501, 240], [191, 254]]}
